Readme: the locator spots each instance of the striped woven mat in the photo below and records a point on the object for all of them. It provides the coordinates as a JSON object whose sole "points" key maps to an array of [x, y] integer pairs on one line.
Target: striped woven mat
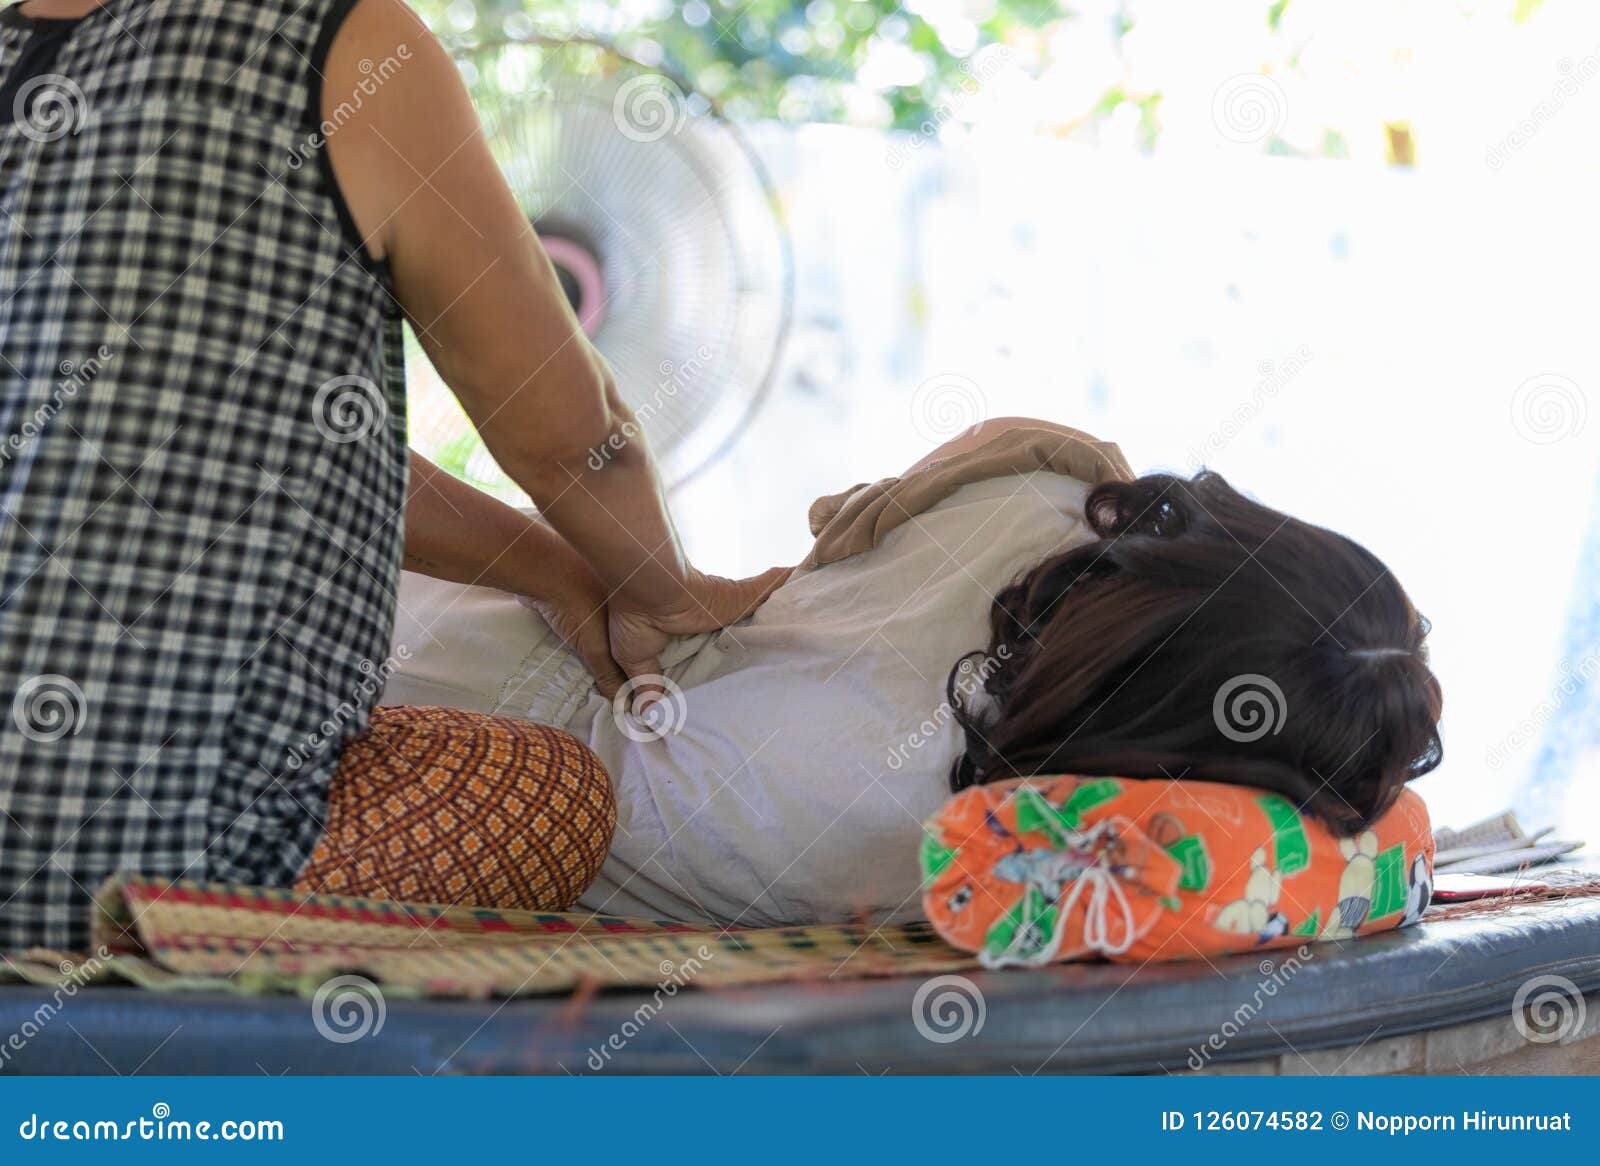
{"points": [[190, 936]]}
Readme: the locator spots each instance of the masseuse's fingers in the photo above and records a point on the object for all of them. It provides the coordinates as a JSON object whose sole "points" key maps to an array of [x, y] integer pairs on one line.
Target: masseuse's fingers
{"points": [[726, 601], [585, 632], [639, 637], [595, 649], [637, 641]]}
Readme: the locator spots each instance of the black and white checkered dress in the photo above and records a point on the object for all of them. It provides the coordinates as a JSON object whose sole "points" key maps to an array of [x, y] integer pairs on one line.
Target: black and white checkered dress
{"points": [[202, 451]]}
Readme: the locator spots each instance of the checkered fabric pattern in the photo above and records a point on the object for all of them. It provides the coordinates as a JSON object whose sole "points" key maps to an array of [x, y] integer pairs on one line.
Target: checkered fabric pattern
{"points": [[202, 452], [438, 805]]}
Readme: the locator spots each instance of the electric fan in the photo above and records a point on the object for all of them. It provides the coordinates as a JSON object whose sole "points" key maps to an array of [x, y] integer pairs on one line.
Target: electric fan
{"points": [[662, 227]]}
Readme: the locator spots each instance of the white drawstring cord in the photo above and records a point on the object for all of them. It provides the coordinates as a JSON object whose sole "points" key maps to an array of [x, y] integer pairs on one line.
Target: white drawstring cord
{"points": [[1103, 886]]}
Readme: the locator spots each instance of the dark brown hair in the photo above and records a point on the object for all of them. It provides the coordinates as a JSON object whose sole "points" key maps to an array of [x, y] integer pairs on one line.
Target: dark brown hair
{"points": [[1205, 636]]}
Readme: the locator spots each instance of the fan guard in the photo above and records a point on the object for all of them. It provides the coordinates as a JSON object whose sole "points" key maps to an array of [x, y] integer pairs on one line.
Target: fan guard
{"points": [[663, 228]]}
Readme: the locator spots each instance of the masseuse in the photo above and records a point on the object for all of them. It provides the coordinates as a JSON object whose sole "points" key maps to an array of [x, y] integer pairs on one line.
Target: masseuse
{"points": [[215, 216]]}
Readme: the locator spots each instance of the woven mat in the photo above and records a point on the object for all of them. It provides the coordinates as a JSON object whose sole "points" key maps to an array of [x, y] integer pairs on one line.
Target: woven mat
{"points": [[191, 936]]}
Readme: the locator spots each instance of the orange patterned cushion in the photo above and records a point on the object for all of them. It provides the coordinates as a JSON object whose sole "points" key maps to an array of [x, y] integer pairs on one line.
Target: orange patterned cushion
{"points": [[445, 806], [1042, 869]]}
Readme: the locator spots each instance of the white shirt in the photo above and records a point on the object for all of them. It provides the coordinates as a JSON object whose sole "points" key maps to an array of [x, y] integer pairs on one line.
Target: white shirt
{"points": [[811, 741]]}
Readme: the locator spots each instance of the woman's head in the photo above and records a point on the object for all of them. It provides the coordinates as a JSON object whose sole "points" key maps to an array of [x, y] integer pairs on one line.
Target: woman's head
{"points": [[1204, 636]]}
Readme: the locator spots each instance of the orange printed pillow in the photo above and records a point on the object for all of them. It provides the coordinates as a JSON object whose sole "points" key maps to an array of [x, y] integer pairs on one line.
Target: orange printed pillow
{"points": [[1044, 869]]}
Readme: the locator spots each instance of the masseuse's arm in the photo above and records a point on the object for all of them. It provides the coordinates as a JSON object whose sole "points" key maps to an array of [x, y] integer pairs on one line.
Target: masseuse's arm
{"points": [[461, 534], [426, 193], [457, 533]]}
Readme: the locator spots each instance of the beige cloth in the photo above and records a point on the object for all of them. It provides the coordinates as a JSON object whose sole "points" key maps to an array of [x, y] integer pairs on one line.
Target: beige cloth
{"points": [[857, 519]]}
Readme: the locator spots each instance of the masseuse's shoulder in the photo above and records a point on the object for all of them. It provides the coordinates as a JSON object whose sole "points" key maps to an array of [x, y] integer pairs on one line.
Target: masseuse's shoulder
{"points": [[384, 43], [373, 15], [407, 135]]}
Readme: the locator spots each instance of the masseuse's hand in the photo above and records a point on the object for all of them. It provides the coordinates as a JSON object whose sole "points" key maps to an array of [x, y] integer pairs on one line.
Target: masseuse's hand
{"points": [[573, 603], [705, 603]]}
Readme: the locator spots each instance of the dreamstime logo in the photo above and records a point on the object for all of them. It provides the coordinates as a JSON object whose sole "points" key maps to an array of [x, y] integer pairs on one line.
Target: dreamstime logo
{"points": [[49, 107], [336, 726], [674, 378], [1573, 75], [374, 75], [1275, 377], [1549, 408], [74, 377], [48, 708], [649, 107], [1249, 108], [347, 1008], [947, 1009], [348, 408], [1248, 707], [977, 71], [971, 678], [75, 974], [674, 976], [663, 717], [1547, 1009], [1275, 976], [947, 405], [1574, 679]]}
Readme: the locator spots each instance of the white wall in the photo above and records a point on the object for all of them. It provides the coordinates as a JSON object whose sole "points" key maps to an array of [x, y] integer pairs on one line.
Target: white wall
{"points": [[1163, 303]]}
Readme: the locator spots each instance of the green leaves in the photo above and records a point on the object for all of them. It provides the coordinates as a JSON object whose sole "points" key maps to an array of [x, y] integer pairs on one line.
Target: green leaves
{"points": [[788, 59]]}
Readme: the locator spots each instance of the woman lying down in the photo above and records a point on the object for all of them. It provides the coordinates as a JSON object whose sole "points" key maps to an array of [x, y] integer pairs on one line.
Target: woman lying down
{"points": [[1016, 603]]}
